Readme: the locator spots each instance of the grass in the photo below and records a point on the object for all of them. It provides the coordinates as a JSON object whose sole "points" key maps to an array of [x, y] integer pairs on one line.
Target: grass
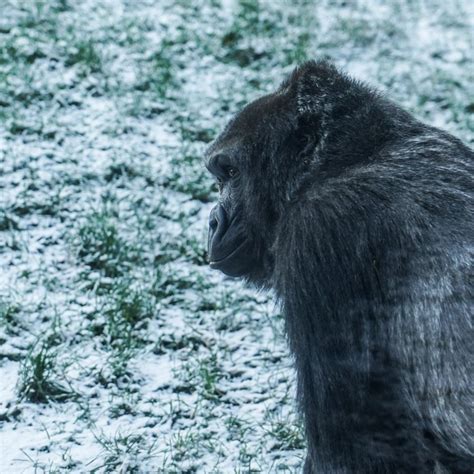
{"points": [[8, 313], [106, 110], [159, 78], [100, 246], [188, 175], [287, 437], [122, 324], [171, 282], [189, 247], [123, 452], [129, 311], [204, 376], [86, 54], [38, 379]]}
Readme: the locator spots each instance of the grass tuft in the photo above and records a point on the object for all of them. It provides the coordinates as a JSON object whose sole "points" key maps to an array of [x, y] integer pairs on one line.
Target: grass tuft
{"points": [[128, 311], [86, 54], [100, 246], [38, 381], [124, 452], [8, 312]]}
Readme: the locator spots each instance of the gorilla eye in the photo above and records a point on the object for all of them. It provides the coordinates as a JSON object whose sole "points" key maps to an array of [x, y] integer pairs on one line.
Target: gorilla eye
{"points": [[232, 172]]}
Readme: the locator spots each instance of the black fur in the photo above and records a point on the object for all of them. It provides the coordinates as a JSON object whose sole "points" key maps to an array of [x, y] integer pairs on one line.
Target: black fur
{"points": [[361, 218]]}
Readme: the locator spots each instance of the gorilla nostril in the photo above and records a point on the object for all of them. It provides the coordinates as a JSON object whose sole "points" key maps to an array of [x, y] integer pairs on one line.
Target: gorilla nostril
{"points": [[221, 215], [217, 218], [213, 222]]}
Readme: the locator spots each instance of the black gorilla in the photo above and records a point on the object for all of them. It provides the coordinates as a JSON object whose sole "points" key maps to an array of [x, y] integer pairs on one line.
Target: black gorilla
{"points": [[361, 219]]}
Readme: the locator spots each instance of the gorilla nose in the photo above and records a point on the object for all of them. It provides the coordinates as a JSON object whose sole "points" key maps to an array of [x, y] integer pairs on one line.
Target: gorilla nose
{"points": [[217, 229], [216, 218], [213, 223]]}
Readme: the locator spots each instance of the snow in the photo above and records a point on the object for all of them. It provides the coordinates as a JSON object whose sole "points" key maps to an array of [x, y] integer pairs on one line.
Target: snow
{"points": [[208, 376]]}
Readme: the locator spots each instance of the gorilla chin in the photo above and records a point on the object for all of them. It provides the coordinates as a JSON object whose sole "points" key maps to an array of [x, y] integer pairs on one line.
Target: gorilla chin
{"points": [[237, 263]]}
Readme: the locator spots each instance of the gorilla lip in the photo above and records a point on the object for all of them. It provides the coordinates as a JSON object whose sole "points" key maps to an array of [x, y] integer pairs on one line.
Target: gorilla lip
{"points": [[229, 255]]}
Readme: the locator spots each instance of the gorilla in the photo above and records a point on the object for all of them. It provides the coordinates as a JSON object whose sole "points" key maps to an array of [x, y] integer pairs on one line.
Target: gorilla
{"points": [[360, 218]]}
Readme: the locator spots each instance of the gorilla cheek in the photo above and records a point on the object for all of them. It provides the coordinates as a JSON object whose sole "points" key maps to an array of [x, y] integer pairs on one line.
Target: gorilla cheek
{"points": [[229, 248]]}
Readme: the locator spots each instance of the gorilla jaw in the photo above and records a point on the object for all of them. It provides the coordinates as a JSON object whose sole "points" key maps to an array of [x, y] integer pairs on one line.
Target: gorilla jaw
{"points": [[228, 247]]}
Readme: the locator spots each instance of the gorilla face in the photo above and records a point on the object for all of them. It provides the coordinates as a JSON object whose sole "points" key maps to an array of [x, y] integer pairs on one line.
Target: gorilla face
{"points": [[253, 165], [229, 244], [238, 226]]}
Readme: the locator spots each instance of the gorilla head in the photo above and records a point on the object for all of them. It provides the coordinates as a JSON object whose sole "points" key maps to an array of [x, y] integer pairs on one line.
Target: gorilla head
{"points": [[259, 161]]}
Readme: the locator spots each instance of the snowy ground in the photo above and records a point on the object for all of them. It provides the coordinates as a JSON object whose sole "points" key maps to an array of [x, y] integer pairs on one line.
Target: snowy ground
{"points": [[120, 351]]}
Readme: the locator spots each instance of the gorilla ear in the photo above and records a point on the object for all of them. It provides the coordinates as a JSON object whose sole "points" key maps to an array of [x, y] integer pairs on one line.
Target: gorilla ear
{"points": [[307, 94], [309, 85], [304, 136], [307, 135]]}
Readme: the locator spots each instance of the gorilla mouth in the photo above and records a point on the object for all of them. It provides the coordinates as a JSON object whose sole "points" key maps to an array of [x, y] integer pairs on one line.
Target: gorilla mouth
{"points": [[230, 255], [229, 246]]}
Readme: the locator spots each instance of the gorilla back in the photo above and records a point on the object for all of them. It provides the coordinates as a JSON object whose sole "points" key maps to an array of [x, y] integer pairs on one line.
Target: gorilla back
{"points": [[361, 219]]}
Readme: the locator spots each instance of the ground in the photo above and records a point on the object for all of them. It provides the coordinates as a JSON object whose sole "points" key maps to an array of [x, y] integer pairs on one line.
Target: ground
{"points": [[120, 351]]}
